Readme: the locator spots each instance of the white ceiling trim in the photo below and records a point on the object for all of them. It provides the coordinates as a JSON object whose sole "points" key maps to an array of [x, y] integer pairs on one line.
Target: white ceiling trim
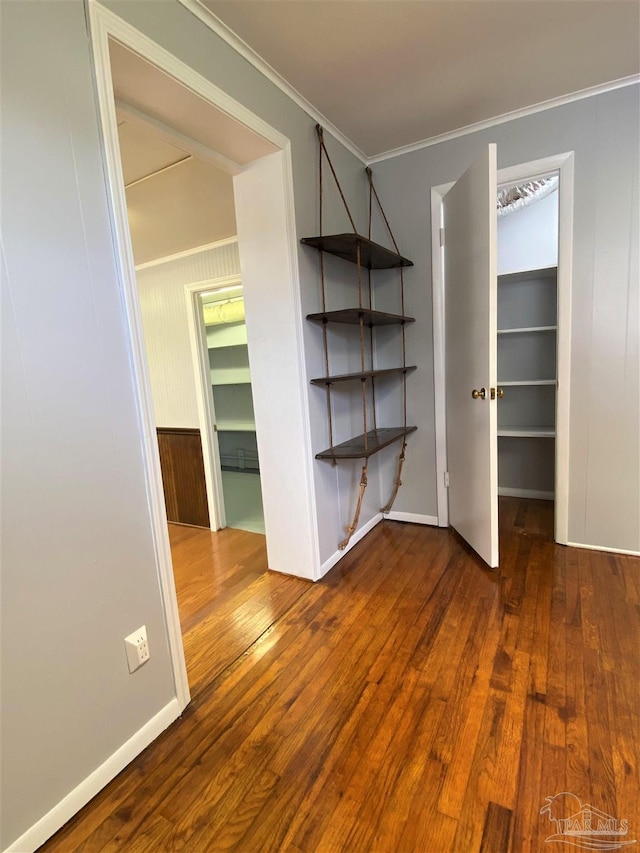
{"points": [[187, 252], [226, 34], [511, 116]]}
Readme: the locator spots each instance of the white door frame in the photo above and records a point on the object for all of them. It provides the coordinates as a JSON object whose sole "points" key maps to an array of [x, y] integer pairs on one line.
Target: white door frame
{"points": [[204, 398], [563, 165], [291, 556]]}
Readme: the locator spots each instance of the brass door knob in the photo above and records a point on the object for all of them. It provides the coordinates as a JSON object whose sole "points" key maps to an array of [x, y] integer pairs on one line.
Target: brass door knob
{"points": [[500, 393], [482, 393]]}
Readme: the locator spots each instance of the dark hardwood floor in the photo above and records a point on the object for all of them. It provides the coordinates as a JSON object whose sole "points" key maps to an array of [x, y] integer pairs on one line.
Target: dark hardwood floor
{"points": [[411, 701]]}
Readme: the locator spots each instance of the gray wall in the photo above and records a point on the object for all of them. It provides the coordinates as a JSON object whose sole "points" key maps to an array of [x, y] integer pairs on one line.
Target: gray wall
{"points": [[604, 481], [78, 564], [79, 570]]}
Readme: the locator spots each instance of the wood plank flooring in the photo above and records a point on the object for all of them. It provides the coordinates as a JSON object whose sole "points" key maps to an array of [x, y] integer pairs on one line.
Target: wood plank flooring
{"points": [[411, 701]]}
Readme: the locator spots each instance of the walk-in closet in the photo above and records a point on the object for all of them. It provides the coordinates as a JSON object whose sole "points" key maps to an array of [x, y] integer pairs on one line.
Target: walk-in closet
{"points": [[527, 341]]}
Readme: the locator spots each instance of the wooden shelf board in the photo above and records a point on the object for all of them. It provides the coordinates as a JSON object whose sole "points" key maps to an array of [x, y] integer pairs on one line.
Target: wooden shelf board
{"points": [[376, 440], [526, 330], [367, 374], [345, 246], [527, 432], [527, 382], [351, 316]]}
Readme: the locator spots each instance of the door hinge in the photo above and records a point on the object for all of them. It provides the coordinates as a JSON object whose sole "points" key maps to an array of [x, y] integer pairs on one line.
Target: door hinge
{"points": [[446, 479], [442, 236]]}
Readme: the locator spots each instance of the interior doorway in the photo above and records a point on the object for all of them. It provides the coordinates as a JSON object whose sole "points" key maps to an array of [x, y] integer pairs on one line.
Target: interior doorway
{"points": [[219, 340], [527, 332], [562, 165], [182, 221]]}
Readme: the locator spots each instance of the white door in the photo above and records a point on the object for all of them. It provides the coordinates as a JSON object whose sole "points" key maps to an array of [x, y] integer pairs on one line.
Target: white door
{"points": [[470, 266]]}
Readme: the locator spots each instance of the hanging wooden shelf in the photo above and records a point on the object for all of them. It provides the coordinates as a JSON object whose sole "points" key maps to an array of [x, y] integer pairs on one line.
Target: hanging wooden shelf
{"points": [[373, 256], [377, 439], [352, 316], [366, 374], [365, 255]]}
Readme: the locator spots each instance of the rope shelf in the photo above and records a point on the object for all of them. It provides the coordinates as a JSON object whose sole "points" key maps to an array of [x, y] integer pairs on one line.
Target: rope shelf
{"points": [[366, 255]]}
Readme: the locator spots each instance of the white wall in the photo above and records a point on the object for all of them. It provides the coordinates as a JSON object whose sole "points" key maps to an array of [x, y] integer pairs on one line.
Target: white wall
{"points": [[166, 330], [528, 238], [604, 481]]}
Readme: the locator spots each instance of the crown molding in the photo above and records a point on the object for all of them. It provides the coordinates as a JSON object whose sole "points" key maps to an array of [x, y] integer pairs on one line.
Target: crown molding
{"points": [[505, 117], [226, 34]]}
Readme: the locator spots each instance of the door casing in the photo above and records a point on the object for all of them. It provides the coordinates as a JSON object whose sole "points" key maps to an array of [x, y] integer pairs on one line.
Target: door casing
{"points": [[563, 165]]}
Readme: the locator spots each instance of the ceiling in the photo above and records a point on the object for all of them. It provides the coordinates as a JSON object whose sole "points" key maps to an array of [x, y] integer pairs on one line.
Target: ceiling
{"points": [[175, 201], [391, 73], [144, 87]]}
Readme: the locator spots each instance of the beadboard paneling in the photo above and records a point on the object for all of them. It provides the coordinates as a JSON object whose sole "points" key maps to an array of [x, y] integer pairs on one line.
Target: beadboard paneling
{"points": [[164, 318]]}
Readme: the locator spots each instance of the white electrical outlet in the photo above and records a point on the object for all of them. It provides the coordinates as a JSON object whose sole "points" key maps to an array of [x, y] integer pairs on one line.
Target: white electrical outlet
{"points": [[137, 648]]}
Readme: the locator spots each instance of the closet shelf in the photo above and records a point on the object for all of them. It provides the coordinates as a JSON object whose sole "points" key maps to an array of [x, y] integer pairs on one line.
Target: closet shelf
{"points": [[233, 345], [527, 382], [376, 439], [345, 246], [230, 377], [527, 275], [235, 426], [367, 374], [527, 432], [525, 330], [351, 316]]}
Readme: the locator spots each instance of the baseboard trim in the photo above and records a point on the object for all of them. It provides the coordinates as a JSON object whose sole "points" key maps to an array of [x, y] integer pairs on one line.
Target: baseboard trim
{"points": [[604, 548], [413, 518], [95, 782], [535, 494], [357, 536]]}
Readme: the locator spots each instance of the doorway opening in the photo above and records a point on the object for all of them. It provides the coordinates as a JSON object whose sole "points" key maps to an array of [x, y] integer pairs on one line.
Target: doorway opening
{"points": [[182, 222], [228, 384], [527, 332], [485, 242]]}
